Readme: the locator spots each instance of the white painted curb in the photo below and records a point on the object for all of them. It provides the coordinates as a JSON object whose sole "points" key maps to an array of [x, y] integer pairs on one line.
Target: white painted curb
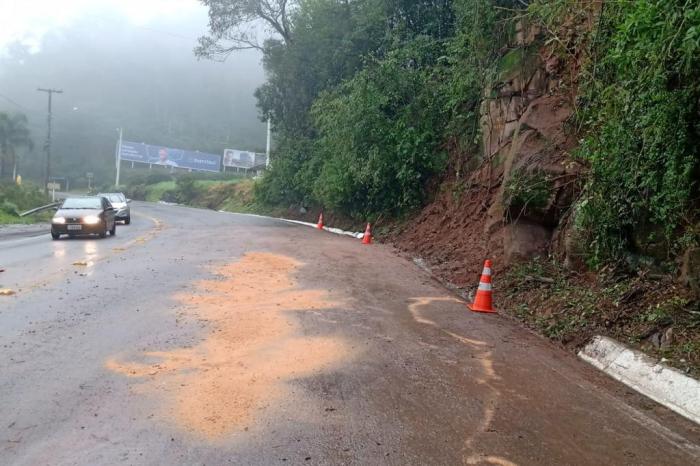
{"points": [[336, 231], [658, 381]]}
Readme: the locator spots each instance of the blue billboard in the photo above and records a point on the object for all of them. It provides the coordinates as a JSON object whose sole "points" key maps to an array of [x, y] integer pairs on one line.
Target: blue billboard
{"points": [[160, 155]]}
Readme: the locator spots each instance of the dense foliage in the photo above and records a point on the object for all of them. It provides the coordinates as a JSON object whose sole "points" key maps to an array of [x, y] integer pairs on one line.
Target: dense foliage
{"points": [[643, 117], [14, 135], [369, 97], [367, 94], [15, 199]]}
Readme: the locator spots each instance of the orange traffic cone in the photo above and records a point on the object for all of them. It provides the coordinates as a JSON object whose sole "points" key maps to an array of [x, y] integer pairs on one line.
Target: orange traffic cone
{"points": [[367, 237], [319, 225], [483, 301]]}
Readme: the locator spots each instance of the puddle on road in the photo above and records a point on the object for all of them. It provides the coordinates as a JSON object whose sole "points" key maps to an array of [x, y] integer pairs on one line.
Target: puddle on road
{"points": [[249, 357]]}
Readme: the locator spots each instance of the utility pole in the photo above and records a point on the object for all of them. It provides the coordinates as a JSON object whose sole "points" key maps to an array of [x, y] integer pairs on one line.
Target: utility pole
{"points": [[50, 92], [267, 150], [119, 156]]}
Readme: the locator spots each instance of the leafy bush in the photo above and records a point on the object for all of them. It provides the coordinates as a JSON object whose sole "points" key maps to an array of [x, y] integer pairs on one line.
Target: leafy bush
{"points": [[642, 116], [137, 192], [380, 134], [20, 198], [158, 177], [9, 207], [365, 119], [527, 191]]}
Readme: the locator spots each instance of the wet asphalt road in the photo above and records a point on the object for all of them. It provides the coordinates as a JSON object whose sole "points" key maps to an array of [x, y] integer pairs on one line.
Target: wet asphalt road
{"points": [[197, 337]]}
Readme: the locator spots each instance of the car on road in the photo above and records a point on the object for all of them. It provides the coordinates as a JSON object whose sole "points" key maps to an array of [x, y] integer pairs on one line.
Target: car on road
{"points": [[84, 216], [120, 204]]}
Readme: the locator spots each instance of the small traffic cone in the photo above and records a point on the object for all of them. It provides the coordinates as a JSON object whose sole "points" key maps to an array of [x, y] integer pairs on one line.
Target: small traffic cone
{"points": [[319, 225], [484, 301], [367, 237]]}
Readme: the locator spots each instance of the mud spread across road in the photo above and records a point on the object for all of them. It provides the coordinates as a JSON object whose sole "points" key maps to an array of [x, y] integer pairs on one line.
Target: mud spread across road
{"points": [[253, 348]]}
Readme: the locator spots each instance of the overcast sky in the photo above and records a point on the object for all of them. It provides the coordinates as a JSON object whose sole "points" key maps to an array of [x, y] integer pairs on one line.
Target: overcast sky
{"points": [[29, 21], [127, 64]]}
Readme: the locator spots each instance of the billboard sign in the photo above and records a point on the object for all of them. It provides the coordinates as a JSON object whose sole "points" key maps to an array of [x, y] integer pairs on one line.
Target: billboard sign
{"points": [[160, 155], [243, 159]]}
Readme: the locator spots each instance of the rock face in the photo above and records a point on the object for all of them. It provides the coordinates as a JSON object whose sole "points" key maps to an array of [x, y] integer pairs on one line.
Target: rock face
{"points": [[516, 204], [522, 240], [523, 128], [690, 269]]}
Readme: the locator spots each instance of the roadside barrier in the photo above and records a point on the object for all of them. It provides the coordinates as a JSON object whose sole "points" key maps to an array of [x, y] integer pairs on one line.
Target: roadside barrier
{"points": [[483, 302]]}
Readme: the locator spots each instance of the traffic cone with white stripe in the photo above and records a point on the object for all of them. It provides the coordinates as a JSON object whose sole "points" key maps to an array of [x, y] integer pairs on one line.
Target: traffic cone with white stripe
{"points": [[484, 301], [367, 237], [319, 225]]}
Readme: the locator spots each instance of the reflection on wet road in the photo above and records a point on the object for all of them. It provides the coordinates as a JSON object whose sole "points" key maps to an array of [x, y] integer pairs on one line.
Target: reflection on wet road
{"points": [[37, 260]]}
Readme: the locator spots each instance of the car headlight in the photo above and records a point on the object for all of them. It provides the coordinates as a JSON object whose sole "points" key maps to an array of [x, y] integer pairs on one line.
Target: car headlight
{"points": [[91, 220], [59, 220]]}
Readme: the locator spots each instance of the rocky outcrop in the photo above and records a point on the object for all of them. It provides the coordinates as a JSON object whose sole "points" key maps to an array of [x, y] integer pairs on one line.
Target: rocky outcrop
{"points": [[690, 269], [523, 121], [523, 127]]}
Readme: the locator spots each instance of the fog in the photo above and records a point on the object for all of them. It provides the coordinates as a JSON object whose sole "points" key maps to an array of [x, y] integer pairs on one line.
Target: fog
{"points": [[139, 76]]}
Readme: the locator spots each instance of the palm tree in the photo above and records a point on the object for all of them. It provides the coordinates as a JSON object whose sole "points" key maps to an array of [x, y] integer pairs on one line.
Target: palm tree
{"points": [[14, 134]]}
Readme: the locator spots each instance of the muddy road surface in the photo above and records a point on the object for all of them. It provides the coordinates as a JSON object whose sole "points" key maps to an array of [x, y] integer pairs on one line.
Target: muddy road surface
{"points": [[203, 338]]}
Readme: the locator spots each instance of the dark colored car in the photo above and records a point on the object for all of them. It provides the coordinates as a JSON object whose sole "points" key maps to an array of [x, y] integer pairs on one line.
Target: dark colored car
{"points": [[120, 203], [84, 216]]}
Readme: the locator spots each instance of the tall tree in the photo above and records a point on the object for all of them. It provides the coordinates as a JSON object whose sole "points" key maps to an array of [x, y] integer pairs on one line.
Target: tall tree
{"points": [[234, 25], [331, 39], [14, 134]]}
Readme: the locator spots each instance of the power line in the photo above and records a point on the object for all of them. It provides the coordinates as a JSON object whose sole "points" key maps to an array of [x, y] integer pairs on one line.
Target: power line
{"points": [[15, 103]]}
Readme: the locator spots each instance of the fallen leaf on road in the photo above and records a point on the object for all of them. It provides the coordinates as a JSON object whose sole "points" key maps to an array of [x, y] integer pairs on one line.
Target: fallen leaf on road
{"points": [[118, 249], [6, 292], [82, 263]]}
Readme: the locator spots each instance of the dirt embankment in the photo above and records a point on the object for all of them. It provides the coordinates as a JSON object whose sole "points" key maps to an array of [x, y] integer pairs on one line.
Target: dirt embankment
{"points": [[508, 202], [514, 203]]}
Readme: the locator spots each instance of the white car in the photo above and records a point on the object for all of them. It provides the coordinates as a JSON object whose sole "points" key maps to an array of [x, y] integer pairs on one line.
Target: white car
{"points": [[120, 204]]}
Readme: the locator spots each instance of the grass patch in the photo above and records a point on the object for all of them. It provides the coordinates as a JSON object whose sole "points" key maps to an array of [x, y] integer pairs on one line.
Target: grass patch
{"points": [[234, 194], [41, 217], [651, 313], [17, 199], [154, 192]]}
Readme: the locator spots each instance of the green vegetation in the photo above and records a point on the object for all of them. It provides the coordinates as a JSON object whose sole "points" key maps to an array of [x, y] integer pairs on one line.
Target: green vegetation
{"points": [[571, 308], [364, 96], [17, 199], [371, 99], [527, 192], [14, 134], [219, 192], [640, 112], [155, 192]]}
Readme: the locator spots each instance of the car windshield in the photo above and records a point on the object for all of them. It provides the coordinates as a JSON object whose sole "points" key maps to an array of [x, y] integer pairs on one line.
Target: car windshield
{"points": [[82, 203], [114, 198]]}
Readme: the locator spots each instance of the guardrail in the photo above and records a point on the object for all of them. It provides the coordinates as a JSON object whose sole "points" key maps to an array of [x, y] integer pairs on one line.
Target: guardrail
{"points": [[39, 209]]}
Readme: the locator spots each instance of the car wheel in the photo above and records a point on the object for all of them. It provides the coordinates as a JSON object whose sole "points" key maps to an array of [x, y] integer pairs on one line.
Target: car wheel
{"points": [[55, 235], [127, 221], [113, 231]]}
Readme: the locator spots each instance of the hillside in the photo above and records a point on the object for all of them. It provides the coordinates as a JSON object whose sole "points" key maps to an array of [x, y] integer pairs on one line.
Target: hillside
{"points": [[558, 139]]}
